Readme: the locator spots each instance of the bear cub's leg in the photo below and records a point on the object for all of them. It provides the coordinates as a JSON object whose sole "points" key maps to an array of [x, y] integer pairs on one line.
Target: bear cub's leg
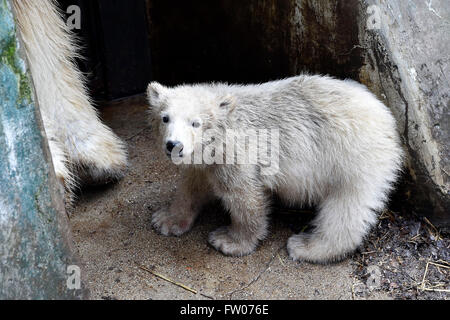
{"points": [[248, 207], [342, 223], [184, 209]]}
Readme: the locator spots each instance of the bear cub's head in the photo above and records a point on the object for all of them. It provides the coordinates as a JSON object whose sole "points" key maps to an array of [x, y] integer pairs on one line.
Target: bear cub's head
{"points": [[182, 114]]}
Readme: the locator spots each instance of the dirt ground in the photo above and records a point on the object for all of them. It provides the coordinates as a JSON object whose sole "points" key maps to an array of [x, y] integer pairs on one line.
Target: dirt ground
{"points": [[124, 258]]}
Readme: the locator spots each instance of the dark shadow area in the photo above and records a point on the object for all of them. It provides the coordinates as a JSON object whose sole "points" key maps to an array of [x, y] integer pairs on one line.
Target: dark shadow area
{"points": [[250, 41], [129, 43], [114, 46], [217, 41]]}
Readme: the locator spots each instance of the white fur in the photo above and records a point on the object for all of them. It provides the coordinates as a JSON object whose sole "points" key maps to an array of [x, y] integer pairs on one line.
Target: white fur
{"points": [[339, 149], [79, 142]]}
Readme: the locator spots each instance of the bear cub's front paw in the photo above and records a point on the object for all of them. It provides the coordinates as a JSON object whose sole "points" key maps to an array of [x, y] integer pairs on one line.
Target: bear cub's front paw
{"points": [[230, 243], [170, 224]]}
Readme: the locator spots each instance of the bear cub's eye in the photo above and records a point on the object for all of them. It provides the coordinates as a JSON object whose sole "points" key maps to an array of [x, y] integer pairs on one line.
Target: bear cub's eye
{"points": [[196, 124], [165, 119]]}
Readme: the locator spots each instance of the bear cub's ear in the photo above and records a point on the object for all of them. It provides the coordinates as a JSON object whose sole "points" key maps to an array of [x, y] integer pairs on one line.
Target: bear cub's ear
{"points": [[154, 93], [228, 103]]}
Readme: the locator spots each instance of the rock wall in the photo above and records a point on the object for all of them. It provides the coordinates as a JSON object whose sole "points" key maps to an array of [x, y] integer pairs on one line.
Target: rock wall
{"points": [[406, 62]]}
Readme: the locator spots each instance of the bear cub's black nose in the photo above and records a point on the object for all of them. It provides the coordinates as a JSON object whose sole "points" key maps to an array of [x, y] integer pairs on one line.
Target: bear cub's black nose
{"points": [[174, 144]]}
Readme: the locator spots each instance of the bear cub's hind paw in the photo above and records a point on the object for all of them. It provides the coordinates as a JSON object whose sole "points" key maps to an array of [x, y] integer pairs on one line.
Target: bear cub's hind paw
{"points": [[310, 248], [169, 224]]}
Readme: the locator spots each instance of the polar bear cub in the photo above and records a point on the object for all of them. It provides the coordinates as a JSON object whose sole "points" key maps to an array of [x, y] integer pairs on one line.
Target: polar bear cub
{"points": [[333, 144]]}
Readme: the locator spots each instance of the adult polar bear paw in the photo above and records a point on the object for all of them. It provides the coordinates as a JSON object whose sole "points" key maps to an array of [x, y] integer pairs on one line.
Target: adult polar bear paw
{"points": [[170, 224], [230, 243], [101, 154]]}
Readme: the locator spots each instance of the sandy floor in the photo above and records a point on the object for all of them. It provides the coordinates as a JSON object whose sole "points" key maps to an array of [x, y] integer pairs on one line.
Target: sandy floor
{"points": [[111, 227]]}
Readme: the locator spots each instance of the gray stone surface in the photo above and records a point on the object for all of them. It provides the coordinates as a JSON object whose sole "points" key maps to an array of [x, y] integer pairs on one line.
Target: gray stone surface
{"points": [[406, 51]]}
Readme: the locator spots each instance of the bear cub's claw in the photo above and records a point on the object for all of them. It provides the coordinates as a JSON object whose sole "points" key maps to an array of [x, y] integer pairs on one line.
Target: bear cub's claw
{"points": [[230, 243], [169, 224], [297, 247], [310, 248]]}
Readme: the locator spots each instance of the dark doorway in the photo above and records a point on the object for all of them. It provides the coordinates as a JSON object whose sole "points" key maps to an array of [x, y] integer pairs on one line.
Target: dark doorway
{"points": [[115, 43], [201, 41], [221, 40], [250, 41]]}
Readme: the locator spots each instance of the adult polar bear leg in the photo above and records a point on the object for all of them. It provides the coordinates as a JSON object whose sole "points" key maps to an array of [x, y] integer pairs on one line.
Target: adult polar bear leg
{"points": [[77, 137], [343, 220]]}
